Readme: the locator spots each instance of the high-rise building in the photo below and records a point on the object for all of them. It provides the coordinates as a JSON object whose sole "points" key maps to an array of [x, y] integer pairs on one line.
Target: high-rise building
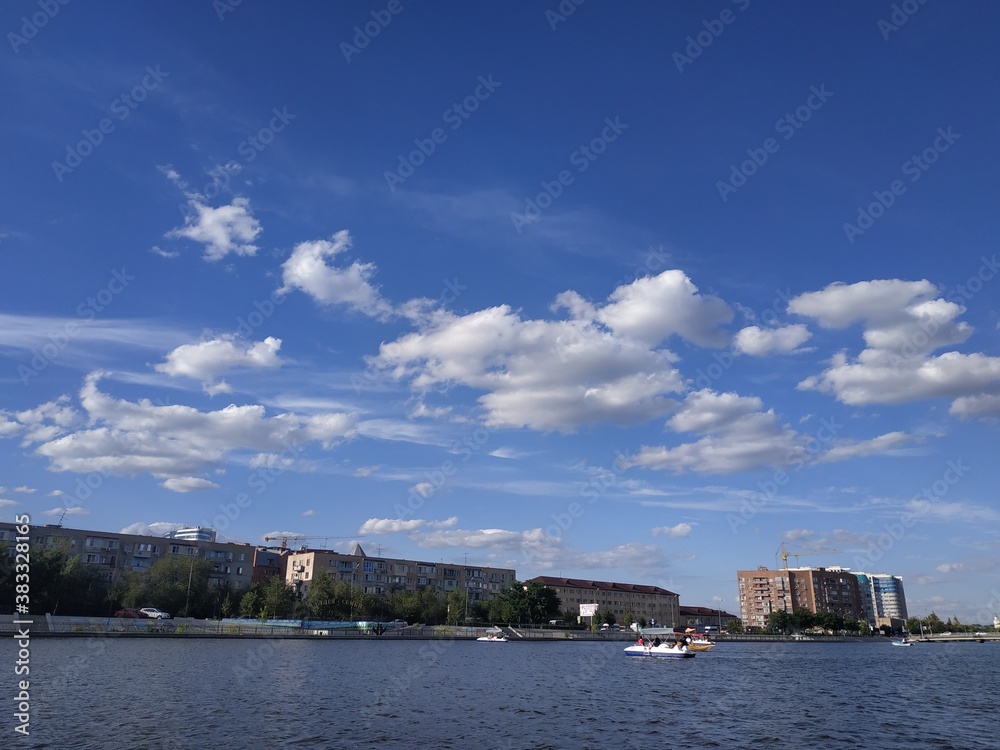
{"points": [[883, 597], [763, 591]]}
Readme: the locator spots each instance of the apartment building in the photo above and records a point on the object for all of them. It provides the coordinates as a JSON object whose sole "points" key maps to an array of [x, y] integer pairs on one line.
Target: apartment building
{"points": [[113, 552], [377, 575], [652, 603], [763, 591]]}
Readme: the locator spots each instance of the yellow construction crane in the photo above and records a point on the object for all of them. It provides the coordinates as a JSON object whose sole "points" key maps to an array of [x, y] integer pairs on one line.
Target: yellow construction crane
{"points": [[301, 538], [808, 551]]}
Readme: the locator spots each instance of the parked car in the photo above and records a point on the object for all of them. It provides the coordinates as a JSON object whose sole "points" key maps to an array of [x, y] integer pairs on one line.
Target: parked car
{"points": [[130, 612], [398, 623], [154, 613]]}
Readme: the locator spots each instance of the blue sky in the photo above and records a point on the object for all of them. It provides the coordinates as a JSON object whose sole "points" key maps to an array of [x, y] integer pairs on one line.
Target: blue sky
{"points": [[630, 292]]}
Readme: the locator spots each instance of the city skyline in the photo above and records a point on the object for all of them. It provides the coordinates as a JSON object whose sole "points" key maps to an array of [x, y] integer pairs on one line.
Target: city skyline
{"points": [[614, 293]]}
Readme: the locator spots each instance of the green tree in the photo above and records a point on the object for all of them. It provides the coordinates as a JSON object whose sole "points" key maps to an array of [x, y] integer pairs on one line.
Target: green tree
{"points": [[734, 626], [250, 603], [323, 601], [278, 599], [779, 621], [181, 587], [458, 607]]}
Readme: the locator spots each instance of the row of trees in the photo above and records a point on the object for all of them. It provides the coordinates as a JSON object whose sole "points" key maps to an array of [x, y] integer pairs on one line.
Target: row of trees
{"points": [[934, 624], [801, 619], [61, 584]]}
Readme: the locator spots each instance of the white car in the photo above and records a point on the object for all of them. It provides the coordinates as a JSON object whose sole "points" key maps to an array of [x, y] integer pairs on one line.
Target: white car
{"points": [[154, 613]]}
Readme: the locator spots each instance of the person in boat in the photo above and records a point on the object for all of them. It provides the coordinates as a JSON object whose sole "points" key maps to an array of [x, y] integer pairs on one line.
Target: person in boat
{"points": [[656, 641], [640, 641]]}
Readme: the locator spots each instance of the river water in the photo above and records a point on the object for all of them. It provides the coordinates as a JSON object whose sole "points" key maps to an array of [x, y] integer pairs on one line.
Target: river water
{"points": [[240, 694]]}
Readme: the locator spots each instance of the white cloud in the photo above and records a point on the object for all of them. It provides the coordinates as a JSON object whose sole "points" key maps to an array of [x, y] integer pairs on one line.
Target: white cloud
{"points": [[74, 511], [881, 444], [424, 489], [176, 443], [306, 269], [188, 484], [838, 305], [25, 489], [903, 323], [760, 342], [653, 308], [738, 436], [390, 526], [223, 230], [309, 512], [545, 375], [955, 511], [164, 253], [4, 502], [157, 528], [983, 405], [679, 531], [206, 360]]}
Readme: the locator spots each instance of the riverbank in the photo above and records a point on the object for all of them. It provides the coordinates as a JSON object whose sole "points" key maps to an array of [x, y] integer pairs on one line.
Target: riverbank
{"points": [[48, 626]]}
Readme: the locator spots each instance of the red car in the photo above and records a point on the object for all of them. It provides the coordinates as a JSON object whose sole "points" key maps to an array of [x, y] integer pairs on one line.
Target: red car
{"points": [[130, 612]]}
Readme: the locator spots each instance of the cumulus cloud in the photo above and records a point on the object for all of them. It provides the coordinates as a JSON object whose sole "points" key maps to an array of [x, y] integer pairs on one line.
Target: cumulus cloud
{"points": [[653, 308], [206, 360], [307, 270], [738, 436], [223, 230], [679, 531], [188, 484], [761, 342], [177, 443], [903, 323]]}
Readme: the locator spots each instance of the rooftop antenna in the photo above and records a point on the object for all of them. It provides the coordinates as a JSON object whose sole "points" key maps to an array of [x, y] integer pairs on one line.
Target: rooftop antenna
{"points": [[61, 517]]}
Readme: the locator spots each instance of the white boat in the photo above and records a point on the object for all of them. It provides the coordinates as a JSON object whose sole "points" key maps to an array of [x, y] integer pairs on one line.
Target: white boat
{"points": [[493, 636], [902, 643], [663, 651], [695, 641]]}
